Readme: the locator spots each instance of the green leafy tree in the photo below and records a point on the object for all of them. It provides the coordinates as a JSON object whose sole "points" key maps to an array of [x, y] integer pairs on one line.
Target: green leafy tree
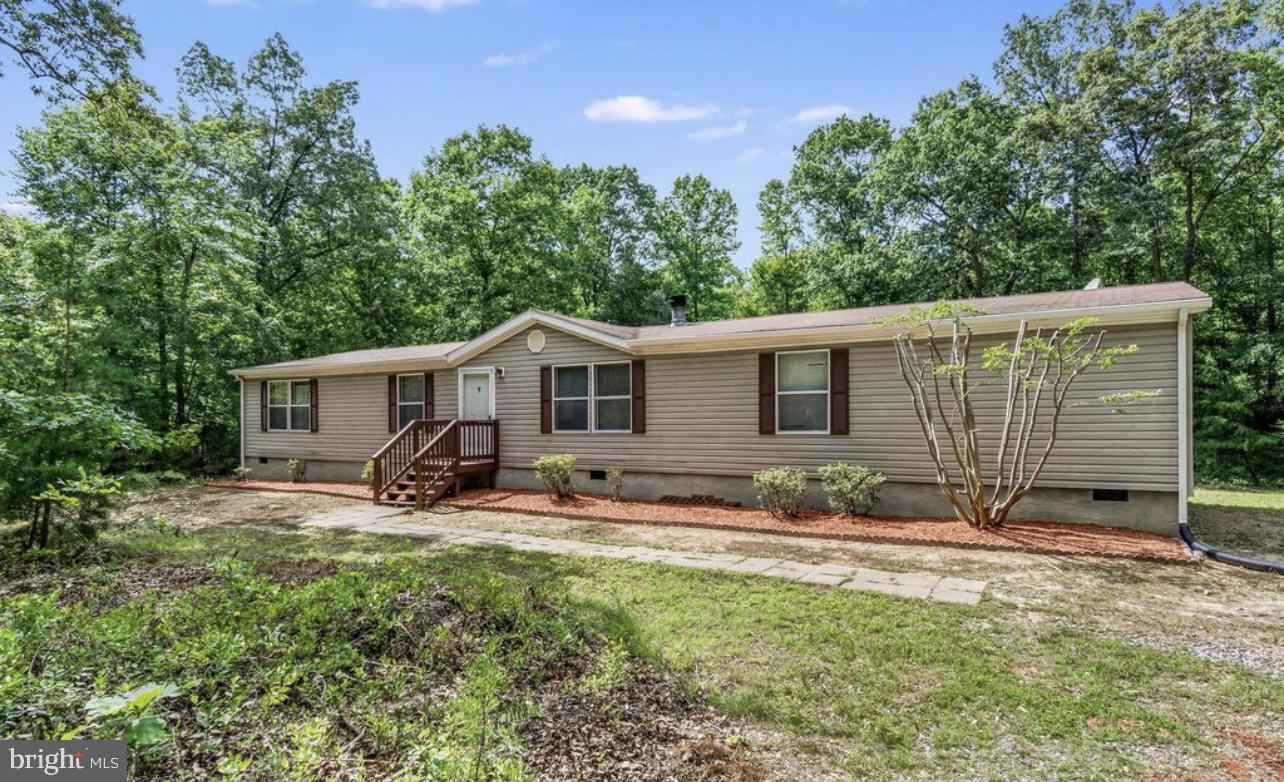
{"points": [[68, 48], [54, 450], [696, 229], [609, 217], [484, 215]]}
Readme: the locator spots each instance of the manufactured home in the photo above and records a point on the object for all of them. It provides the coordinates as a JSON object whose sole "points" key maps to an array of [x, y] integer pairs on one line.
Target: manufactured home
{"points": [[695, 408]]}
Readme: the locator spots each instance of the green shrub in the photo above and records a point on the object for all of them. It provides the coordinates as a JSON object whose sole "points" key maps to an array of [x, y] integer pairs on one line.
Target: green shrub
{"points": [[555, 472], [852, 489], [367, 471], [298, 469], [781, 490], [241, 474], [615, 482], [73, 510]]}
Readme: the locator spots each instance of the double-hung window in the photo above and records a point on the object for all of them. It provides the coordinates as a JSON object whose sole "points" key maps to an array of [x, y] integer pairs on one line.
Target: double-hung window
{"points": [[571, 399], [410, 398], [593, 398], [802, 391], [612, 397], [289, 406]]}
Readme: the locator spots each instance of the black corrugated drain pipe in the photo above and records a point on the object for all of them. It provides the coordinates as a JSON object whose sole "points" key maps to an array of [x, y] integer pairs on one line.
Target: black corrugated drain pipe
{"points": [[1195, 544]]}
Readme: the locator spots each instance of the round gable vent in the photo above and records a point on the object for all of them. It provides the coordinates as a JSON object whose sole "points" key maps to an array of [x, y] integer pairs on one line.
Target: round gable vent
{"points": [[535, 341]]}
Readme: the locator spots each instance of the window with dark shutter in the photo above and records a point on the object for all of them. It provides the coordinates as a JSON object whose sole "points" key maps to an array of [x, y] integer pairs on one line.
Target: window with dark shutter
{"points": [[430, 402], [263, 406], [838, 379], [766, 393], [639, 396], [312, 393], [392, 404], [546, 400]]}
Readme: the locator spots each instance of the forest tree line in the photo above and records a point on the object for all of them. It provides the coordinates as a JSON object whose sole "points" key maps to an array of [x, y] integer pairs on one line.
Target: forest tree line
{"points": [[244, 220]]}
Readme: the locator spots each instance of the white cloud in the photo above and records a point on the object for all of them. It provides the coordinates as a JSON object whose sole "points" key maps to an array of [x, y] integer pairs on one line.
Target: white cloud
{"points": [[519, 58], [719, 131], [635, 108], [814, 114], [423, 5]]}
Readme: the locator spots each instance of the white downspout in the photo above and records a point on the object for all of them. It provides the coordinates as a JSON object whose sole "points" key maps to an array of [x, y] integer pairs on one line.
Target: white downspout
{"points": [[1183, 415], [240, 421]]}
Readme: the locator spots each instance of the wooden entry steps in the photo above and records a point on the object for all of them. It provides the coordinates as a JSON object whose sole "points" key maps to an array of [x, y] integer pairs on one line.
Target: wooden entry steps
{"points": [[423, 462]]}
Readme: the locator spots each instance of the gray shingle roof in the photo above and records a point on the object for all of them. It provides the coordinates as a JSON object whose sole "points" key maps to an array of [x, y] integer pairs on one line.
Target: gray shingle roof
{"points": [[1026, 303], [371, 356]]}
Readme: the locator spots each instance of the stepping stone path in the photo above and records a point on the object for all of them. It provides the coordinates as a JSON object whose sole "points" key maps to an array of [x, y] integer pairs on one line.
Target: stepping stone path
{"points": [[384, 520]]}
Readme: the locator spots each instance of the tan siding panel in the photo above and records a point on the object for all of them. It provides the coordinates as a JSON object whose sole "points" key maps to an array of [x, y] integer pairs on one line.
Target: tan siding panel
{"points": [[702, 416]]}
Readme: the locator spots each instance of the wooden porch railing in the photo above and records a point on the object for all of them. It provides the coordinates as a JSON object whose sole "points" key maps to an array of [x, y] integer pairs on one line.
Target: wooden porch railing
{"points": [[434, 449]]}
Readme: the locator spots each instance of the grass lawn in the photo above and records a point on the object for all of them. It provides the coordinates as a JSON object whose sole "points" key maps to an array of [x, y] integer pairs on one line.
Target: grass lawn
{"points": [[1241, 520], [321, 655]]}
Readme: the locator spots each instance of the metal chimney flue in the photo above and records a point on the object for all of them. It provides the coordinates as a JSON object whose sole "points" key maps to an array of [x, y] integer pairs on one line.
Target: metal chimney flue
{"points": [[678, 309]]}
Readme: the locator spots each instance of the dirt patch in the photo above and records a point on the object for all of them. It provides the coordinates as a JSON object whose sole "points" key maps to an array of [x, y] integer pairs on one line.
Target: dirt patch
{"points": [[110, 587], [197, 508], [646, 729], [351, 489], [295, 573], [116, 586], [1046, 537]]}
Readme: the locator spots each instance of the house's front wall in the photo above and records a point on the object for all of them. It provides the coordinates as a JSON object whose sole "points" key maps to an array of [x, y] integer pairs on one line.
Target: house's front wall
{"points": [[702, 427]]}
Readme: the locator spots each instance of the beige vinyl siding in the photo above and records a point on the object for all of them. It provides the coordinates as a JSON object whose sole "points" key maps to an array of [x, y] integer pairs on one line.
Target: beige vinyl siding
{"points": [[702, 416], [352, 411]]}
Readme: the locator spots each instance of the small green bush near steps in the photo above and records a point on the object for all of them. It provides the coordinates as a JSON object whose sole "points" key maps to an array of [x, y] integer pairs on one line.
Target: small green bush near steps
{"points": [[852, 489], [298, 469], [555, 471], [781, 490]]}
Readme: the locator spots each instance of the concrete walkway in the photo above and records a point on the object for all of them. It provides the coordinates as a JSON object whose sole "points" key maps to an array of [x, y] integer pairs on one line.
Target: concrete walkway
{"points": [[396, 521]]}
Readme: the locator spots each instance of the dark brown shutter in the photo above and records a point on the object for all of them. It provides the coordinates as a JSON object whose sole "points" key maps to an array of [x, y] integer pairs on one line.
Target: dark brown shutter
{"points": [[312, 395], [838, 391], [392, 404], [766, 393], [546, 400], [430, 403], [639, 396], [263, 411]]}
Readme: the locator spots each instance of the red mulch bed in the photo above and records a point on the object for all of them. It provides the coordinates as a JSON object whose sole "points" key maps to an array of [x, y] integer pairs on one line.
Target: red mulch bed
{"points": [[1039, 536], [353, 489]]}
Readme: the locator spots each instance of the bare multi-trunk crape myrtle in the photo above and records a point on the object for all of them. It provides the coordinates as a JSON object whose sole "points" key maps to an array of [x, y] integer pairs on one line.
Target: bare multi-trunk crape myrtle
{"points": [[933, 352]]}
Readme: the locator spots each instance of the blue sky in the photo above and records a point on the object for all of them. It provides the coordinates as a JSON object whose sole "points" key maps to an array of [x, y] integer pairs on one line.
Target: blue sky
{"points": [[704, 86]]}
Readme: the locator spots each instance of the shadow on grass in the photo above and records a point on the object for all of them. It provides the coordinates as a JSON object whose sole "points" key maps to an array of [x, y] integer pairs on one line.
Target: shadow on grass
{"points": [[1239, 527]]}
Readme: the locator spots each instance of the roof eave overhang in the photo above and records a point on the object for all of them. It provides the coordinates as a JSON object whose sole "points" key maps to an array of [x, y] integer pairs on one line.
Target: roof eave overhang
{"points": [[1154, 312], [329, 370], [677, 342]]}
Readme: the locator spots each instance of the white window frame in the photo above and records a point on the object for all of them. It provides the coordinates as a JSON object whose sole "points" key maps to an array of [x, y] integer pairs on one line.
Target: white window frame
{"points": [[459, 384], [829, 390], [591, 368], [423, 403], [289, 408], [593, 396], [587, 399]]}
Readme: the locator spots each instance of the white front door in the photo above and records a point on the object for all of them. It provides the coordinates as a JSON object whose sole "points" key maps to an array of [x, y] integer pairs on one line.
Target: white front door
{"points": [[475, 395]]}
